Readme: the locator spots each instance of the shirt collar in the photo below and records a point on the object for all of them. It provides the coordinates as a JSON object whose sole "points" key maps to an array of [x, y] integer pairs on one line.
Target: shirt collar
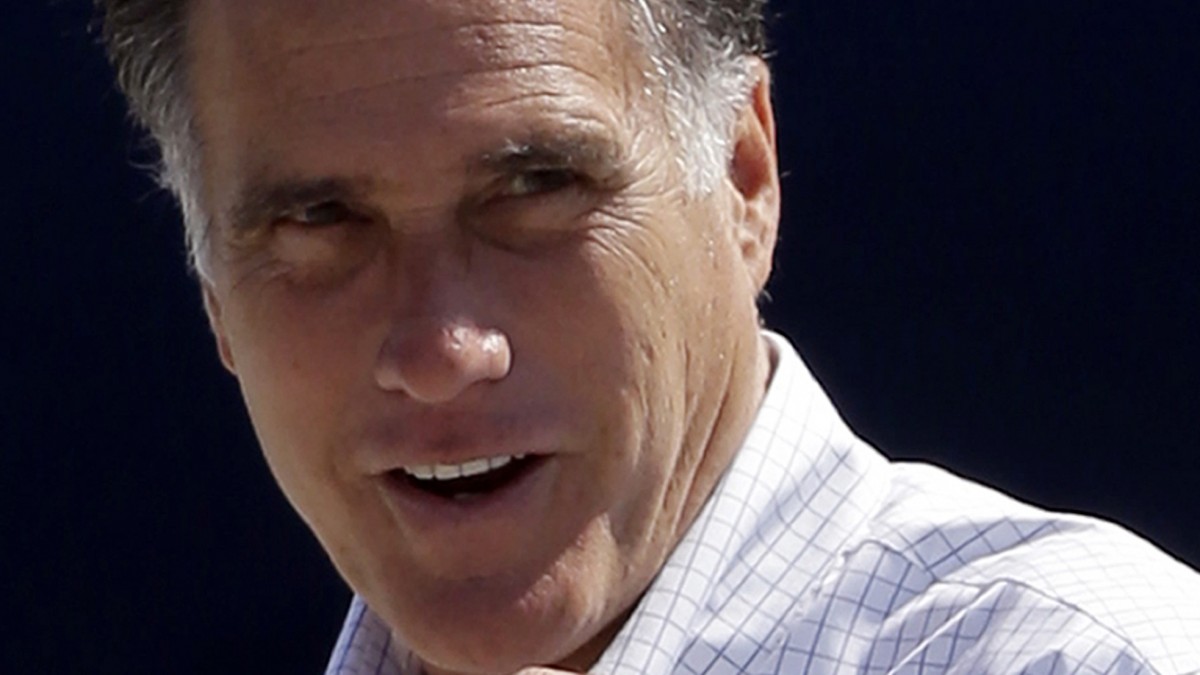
{"points": [[800, 487]]}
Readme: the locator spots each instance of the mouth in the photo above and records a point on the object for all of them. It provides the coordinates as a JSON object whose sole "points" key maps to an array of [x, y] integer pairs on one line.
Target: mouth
{"points": [[450, 513], [469, 480]]}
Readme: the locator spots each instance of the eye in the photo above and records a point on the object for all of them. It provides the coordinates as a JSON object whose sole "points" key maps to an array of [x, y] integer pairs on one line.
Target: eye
{"points": [[539, 182], [322, 214]]}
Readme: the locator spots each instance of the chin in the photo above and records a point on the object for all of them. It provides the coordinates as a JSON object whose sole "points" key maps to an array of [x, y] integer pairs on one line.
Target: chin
{"points": [[477, 628], [480, 627]]}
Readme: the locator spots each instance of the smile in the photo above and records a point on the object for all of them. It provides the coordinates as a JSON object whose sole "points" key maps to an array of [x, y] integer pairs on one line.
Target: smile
{"points": [[475, 477], [476, 467]]}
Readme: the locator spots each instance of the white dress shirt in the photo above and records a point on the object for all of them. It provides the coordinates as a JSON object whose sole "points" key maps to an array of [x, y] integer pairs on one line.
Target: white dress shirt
{"points": [[815, 554]]}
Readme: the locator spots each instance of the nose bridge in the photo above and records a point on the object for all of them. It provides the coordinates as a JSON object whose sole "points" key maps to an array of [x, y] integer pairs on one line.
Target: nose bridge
{"points": [[439, 342], [429, 256]]}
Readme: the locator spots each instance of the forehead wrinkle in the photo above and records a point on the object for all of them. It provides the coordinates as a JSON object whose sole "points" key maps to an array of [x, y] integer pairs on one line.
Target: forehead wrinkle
{"points": [[302, 32], [422, 15], [575, 41], [524, 97], [507, 33], [511, 69], [440, 15], [373, 40], [496, 52]]}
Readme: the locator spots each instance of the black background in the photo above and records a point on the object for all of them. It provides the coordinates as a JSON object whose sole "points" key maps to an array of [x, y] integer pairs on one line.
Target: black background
{"points": [[989, 256]]}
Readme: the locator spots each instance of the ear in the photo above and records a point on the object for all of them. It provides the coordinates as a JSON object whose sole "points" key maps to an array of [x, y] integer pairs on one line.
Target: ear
{"points": [[212, 307], [754, 172]]}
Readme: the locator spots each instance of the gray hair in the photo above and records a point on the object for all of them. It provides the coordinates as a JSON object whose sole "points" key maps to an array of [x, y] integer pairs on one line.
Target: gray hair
{"points": [[697, 49]]}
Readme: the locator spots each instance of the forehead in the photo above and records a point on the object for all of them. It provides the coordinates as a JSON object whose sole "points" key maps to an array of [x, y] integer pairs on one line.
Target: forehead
{"points": [[456, 26], [281, 78], [299, 50]]}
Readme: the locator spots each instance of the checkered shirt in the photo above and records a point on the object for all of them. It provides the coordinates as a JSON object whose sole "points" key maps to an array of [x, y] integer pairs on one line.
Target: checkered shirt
{"points": [[816, 555]]}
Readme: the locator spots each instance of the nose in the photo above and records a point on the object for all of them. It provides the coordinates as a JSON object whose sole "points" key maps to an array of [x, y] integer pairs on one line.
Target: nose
{"points": [[434, 360]]}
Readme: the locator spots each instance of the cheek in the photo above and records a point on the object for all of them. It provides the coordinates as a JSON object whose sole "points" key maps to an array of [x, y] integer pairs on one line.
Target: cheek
{"points": [[607, 312], [303, 366], [666, 289], [618, 337], [644, 284], [297, 362], [299, 334], [587, 330]]}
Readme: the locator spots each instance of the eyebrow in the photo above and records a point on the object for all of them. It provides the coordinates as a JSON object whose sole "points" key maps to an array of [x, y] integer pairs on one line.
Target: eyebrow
{"points": [[265, 199], [577, 148]]}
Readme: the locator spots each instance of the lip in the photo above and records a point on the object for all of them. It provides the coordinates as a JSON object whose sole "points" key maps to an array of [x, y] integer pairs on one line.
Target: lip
{"points": [[393, 444], [480, 518]]}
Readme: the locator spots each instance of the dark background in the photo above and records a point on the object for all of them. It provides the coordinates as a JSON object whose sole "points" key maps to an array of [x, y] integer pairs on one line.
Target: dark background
{"points": [[989, 257]]}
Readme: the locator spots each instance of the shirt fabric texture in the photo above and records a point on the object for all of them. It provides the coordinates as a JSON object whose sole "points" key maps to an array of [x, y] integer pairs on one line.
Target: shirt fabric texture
{"points": [[815, 554]]}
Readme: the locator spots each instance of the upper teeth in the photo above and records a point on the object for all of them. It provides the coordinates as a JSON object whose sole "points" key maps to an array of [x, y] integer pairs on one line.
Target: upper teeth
{"points": [[474, 467]]}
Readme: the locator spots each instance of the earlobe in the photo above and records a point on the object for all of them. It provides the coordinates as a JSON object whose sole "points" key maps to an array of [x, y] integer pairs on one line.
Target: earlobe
{"points": [[212, 307], [754, 172]]}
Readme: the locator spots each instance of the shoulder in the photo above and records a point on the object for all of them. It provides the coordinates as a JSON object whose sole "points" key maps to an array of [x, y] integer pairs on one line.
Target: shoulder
{"points": [[950, 565]]}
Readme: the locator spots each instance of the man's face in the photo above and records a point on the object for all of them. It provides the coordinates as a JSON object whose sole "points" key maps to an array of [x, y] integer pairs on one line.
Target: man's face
{"points": [[450, 238]]}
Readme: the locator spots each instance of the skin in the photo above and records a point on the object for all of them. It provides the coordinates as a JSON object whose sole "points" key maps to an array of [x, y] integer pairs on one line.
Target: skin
{"points": [[446, 229]]}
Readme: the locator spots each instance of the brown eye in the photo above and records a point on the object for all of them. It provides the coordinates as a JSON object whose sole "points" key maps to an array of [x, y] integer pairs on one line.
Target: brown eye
{"points": [[539, 182], [324, 214]]}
